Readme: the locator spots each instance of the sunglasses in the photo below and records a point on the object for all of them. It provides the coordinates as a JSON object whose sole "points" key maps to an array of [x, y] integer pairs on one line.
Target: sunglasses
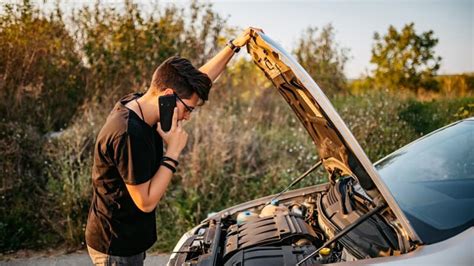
{"points": [[190, 109]]}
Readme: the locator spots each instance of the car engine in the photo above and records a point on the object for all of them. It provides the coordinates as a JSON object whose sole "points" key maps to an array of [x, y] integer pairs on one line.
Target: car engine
{"points": [[278, 234], [284, 232]]}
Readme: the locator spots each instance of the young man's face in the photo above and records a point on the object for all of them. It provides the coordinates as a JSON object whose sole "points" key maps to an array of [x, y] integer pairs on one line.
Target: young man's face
{"points": [[186, 106]]}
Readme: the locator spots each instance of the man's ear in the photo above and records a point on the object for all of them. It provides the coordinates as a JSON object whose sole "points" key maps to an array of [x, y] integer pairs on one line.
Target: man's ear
{"points": [[200, 102], [168, 91]]}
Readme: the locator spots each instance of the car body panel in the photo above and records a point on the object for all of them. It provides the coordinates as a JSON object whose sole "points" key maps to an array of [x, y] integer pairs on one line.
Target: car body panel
{"points": [[337, 147]]}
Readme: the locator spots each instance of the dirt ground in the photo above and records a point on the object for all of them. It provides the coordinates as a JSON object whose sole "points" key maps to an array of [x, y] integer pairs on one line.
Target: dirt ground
{"points": [[60, 257]]}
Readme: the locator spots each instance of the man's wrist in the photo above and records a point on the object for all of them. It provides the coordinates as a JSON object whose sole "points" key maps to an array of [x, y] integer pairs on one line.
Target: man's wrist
{"points": [[232, 46], [172, 155], [169, 166], [171, 160]]}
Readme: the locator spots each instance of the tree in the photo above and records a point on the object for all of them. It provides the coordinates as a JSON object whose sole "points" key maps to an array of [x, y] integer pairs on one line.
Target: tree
{"points": [[323, 59], [41, 73], [122, 48], [405, 60]]}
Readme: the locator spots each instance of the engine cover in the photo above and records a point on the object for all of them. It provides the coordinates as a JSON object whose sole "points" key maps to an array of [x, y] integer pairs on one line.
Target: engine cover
{"points": [[279, 228], [269, 255]]}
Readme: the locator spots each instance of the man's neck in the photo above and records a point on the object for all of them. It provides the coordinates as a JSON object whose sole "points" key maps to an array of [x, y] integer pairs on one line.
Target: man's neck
{"points": [[148, 108]]}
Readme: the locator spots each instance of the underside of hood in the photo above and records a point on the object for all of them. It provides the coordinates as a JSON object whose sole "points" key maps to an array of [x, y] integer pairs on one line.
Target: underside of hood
{"points": [[338, 149]]}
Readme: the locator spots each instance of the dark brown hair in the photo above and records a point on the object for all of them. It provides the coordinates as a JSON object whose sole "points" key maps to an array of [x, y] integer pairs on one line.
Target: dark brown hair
{"points": [[180, 75]]}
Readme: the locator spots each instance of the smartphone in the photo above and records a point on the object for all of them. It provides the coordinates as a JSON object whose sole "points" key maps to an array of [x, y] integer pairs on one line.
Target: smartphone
{"points": [[167, 104]]}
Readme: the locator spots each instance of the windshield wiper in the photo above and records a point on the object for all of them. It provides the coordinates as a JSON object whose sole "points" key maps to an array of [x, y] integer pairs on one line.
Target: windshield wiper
{"points": [[344, 231], [314, 167]]}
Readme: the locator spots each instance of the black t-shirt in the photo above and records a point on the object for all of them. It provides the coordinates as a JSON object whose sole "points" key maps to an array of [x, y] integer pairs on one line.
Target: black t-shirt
{"points": [[127, 151]]}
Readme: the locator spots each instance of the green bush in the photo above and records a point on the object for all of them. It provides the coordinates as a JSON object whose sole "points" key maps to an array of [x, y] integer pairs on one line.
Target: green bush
{"points": [[23, 182], [68, 191], [373, 117], [41, 75], [425, 117]]}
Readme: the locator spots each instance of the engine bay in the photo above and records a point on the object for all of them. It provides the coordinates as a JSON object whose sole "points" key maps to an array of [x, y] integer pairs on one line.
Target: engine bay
{"points": [[284, 232]]}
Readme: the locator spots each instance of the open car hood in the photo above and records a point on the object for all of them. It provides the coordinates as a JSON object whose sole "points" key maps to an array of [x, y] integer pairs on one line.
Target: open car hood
{"points": [[338, 149]]}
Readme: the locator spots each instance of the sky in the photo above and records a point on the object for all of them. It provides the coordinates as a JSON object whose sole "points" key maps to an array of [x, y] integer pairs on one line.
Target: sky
{"points": [[354, 21]]}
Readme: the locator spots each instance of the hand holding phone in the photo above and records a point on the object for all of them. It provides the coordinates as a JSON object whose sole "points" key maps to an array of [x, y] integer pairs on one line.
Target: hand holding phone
{"points": [[167, 103], [175, 138]]}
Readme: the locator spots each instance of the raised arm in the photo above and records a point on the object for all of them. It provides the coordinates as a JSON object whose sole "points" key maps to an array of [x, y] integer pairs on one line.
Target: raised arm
{"points": [[214, 67]]}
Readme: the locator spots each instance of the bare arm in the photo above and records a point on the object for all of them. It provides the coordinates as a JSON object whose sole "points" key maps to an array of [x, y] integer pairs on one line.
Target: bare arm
{"points": [[214, 67], [147, 195]]}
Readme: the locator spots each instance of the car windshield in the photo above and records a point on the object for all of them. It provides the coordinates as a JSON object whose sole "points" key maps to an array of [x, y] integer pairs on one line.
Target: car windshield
{"points": [[432, 180]]}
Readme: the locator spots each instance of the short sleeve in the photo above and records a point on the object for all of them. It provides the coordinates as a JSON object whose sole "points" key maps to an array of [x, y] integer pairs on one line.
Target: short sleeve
{"points": [[131, 161]]}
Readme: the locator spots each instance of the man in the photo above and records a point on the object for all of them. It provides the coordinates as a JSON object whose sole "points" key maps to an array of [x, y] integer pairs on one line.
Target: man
{"points": [[130, 173]]}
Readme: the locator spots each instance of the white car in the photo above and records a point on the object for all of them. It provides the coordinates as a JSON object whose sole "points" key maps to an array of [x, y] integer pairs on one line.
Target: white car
{"points": [[415, 206]]}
